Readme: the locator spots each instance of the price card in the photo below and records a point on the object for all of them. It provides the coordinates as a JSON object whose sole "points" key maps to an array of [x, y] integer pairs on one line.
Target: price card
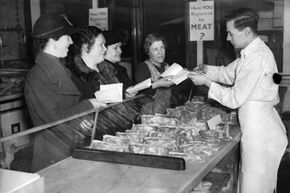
{"points": [[213, 122]]}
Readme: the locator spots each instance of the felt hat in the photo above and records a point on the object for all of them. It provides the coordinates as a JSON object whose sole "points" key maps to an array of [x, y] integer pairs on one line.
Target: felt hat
{"points": [[112, 37], [51, 25]]}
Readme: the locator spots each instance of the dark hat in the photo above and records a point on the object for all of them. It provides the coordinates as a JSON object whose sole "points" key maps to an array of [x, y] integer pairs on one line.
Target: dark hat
{"points": [[52, 25], [112, 37]]}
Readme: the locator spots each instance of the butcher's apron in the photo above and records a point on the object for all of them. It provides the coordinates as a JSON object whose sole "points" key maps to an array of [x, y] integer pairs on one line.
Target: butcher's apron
{"points": [[262, 146]]}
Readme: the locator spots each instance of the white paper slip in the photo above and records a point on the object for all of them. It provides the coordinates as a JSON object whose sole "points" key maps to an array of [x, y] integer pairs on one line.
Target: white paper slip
{"points": [[172, 70], [181, 76], [110, 93], [140, 86], [213, 122]]}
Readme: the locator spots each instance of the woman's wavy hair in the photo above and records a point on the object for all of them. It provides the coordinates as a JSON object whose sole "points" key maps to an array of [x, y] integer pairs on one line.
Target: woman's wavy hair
{"points": [[244, 17], [85, 35], [150, 39]]}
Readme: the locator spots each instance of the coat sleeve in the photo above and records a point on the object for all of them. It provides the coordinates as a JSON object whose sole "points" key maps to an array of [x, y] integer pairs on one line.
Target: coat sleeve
{"points": [[47, 103], [222, 74], [123, 77], [246, 80], [142, 73]]}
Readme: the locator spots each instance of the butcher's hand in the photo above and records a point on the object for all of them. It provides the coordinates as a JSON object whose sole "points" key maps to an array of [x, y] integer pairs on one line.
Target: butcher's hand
{"points": [[199, 79], [201, 68]]}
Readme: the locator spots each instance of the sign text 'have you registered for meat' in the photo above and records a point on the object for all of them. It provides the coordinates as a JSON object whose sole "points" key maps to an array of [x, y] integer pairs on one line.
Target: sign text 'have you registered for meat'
{"points": [[201, 20]]}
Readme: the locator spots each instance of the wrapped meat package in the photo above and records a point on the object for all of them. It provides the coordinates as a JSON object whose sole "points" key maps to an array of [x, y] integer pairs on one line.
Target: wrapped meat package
{"points": [[158, 120], [101, 145]]}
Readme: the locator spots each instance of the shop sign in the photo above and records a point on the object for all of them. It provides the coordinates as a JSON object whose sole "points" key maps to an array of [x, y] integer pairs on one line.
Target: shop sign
{"points": [[99, 17], [201, 20]]}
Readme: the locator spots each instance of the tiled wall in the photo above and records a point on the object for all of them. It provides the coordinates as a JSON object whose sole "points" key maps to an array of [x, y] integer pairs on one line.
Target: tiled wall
{"points": [[12, 30]]}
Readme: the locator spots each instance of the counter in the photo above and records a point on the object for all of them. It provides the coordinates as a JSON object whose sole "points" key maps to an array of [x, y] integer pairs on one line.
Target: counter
{"points": [[13, 114], [17, 182], [75, 175]]}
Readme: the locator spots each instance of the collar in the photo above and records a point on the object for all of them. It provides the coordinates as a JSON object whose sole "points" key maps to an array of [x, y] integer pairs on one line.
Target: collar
{"points": [[113, 66], [107, 66], [162, 66], [82, 71], [56, 72], [81, 66], [49, 63], [109, 62], [251, 47]]}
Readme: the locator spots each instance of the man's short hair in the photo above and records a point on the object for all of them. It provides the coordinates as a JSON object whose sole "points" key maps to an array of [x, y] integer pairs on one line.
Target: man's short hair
{"points": [[244, 17]]}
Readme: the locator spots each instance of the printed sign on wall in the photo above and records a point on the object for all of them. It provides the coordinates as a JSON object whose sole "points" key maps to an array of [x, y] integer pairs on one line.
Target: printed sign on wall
{"points": [[201, 20], [99, 17]]}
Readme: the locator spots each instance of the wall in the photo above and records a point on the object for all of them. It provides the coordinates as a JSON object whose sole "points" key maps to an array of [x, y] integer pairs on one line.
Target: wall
{"points": [[35, 7], [286, 54], [12, 30], [35, 13]]}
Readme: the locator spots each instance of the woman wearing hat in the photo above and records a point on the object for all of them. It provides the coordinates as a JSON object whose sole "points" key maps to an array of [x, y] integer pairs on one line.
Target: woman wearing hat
{"points": [[113, 57], [49, 91]]}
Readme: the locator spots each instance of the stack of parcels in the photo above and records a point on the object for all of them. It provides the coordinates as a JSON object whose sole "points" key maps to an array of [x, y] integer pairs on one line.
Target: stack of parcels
{"points": [[199, 109], [202, 187], [167, 136]]}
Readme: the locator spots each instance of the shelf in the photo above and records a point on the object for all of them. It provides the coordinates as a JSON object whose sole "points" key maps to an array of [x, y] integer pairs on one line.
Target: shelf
{"points": [[219, 180]]}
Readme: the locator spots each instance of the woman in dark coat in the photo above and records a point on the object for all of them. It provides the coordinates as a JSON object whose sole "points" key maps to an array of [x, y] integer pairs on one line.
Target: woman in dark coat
{"points": [[113, 57], [51, 95], [89, 72]]}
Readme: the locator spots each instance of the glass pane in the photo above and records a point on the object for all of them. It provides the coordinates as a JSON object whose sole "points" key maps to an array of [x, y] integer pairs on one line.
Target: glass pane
{"points": [[167, 17], [39, 147], [270, 28], [42, 146]]}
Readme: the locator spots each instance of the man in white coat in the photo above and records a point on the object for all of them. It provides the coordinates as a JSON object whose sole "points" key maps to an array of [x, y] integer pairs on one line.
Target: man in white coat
{"points": [[254, 93]]}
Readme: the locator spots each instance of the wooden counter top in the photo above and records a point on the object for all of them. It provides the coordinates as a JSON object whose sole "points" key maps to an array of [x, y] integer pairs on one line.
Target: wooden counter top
{"points": [[17, 182], [82, 176]]}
